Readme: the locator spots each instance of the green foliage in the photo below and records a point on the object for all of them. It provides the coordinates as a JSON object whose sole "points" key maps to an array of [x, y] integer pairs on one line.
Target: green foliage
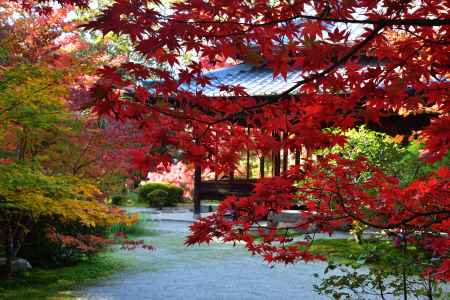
{"points": [[29, 97], [378, 148], [133, 198], [67, 198], [357, 230], [118, 200], [160, 194], [158, 198], [385, 152], [412, 167], [57, 219], [30, 190], [127, 198]]}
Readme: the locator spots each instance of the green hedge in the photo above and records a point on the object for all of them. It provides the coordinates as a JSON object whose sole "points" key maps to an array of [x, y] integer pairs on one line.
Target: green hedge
{"points": [[160, 194]]}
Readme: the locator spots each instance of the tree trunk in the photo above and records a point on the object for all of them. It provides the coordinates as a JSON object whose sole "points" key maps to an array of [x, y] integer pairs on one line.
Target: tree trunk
{"points": [[196, 195], [9, 250], [16, 229], [404, 279], [430, 288]]}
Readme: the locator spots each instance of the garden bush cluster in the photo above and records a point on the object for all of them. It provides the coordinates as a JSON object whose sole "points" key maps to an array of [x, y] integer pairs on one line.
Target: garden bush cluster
{"points": [[160, 194]]}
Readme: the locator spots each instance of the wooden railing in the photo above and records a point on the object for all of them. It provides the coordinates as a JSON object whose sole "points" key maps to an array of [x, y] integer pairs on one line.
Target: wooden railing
{"points": [[219, 189]]}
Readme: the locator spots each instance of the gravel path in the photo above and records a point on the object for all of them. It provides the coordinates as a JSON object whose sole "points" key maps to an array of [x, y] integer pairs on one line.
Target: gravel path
{"points": [[219, 271], [215, 272]]}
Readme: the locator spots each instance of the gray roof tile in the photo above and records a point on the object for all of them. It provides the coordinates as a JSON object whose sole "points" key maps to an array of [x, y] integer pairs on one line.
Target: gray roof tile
{"points": [[257, 81]]}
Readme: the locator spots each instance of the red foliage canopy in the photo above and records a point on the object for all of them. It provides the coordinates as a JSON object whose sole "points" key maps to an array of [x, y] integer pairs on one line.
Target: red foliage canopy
{"points": [[324, 42]]}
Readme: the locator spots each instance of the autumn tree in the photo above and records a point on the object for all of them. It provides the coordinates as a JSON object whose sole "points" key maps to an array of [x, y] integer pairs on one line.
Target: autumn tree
{"points": [[46, 147], [325, 42]]}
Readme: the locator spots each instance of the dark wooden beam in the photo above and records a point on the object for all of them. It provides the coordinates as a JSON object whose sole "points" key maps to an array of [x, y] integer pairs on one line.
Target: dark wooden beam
{"points": [[248, 167], [220, 189], [402, 125], [261, 167], [197, 186], [285, 154], [298, 154], [276, 158]]}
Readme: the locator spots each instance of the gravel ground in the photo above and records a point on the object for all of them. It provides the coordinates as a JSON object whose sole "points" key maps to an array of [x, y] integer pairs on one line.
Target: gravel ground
{"points": [[218, 271]]}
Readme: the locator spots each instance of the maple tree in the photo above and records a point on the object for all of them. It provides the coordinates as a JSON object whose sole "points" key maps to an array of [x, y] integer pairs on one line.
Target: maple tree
{"points": [[50, 155], [323, 41]]}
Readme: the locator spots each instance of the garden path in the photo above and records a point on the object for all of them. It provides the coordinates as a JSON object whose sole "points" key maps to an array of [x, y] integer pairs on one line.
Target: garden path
{"points": [[218, 271]]}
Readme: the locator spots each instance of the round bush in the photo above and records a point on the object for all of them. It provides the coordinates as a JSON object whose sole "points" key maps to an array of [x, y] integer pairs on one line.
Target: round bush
{"points": [[118, 200], [157, 198], [160, 194]]}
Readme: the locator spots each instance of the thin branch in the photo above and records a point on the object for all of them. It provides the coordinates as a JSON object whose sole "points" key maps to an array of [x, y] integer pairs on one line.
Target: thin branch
{"points": [[380, 22], [341, 201], [310, 78]]}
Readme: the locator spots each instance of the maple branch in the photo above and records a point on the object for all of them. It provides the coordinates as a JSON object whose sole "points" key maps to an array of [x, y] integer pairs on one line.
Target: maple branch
{"points": [[80, 166], [426, 40], [339, 62], [341, 201], [381, 22]]}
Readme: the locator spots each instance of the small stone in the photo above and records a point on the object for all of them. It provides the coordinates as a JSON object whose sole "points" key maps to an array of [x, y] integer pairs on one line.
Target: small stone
{"points": [[19, 264]]}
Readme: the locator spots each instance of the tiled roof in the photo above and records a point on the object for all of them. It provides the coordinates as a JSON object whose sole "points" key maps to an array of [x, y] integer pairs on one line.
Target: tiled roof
{"points": [[257, 81]]}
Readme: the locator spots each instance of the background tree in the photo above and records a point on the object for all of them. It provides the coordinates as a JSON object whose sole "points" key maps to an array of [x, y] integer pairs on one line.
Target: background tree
{"points": [[40, 70]]}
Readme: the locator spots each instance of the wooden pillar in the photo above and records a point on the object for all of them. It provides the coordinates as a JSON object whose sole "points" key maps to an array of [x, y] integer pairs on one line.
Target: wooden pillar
{"points": [[298, 154], [276, 158], [248, 167], [285, 160], [261, 167], [285, 154], [197, 184], [277, 163]]}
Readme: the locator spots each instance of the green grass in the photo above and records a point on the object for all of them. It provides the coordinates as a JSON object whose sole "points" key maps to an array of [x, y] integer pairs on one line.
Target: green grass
{"points": [[139, 229], [132, 200], [339, 250], [378, 253], [347, 250], [58, 284]]}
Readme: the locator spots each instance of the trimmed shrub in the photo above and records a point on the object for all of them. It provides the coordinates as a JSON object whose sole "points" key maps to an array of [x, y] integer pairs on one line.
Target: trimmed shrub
{"points": [[158, 198], [118, 200], [160, 194]]}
